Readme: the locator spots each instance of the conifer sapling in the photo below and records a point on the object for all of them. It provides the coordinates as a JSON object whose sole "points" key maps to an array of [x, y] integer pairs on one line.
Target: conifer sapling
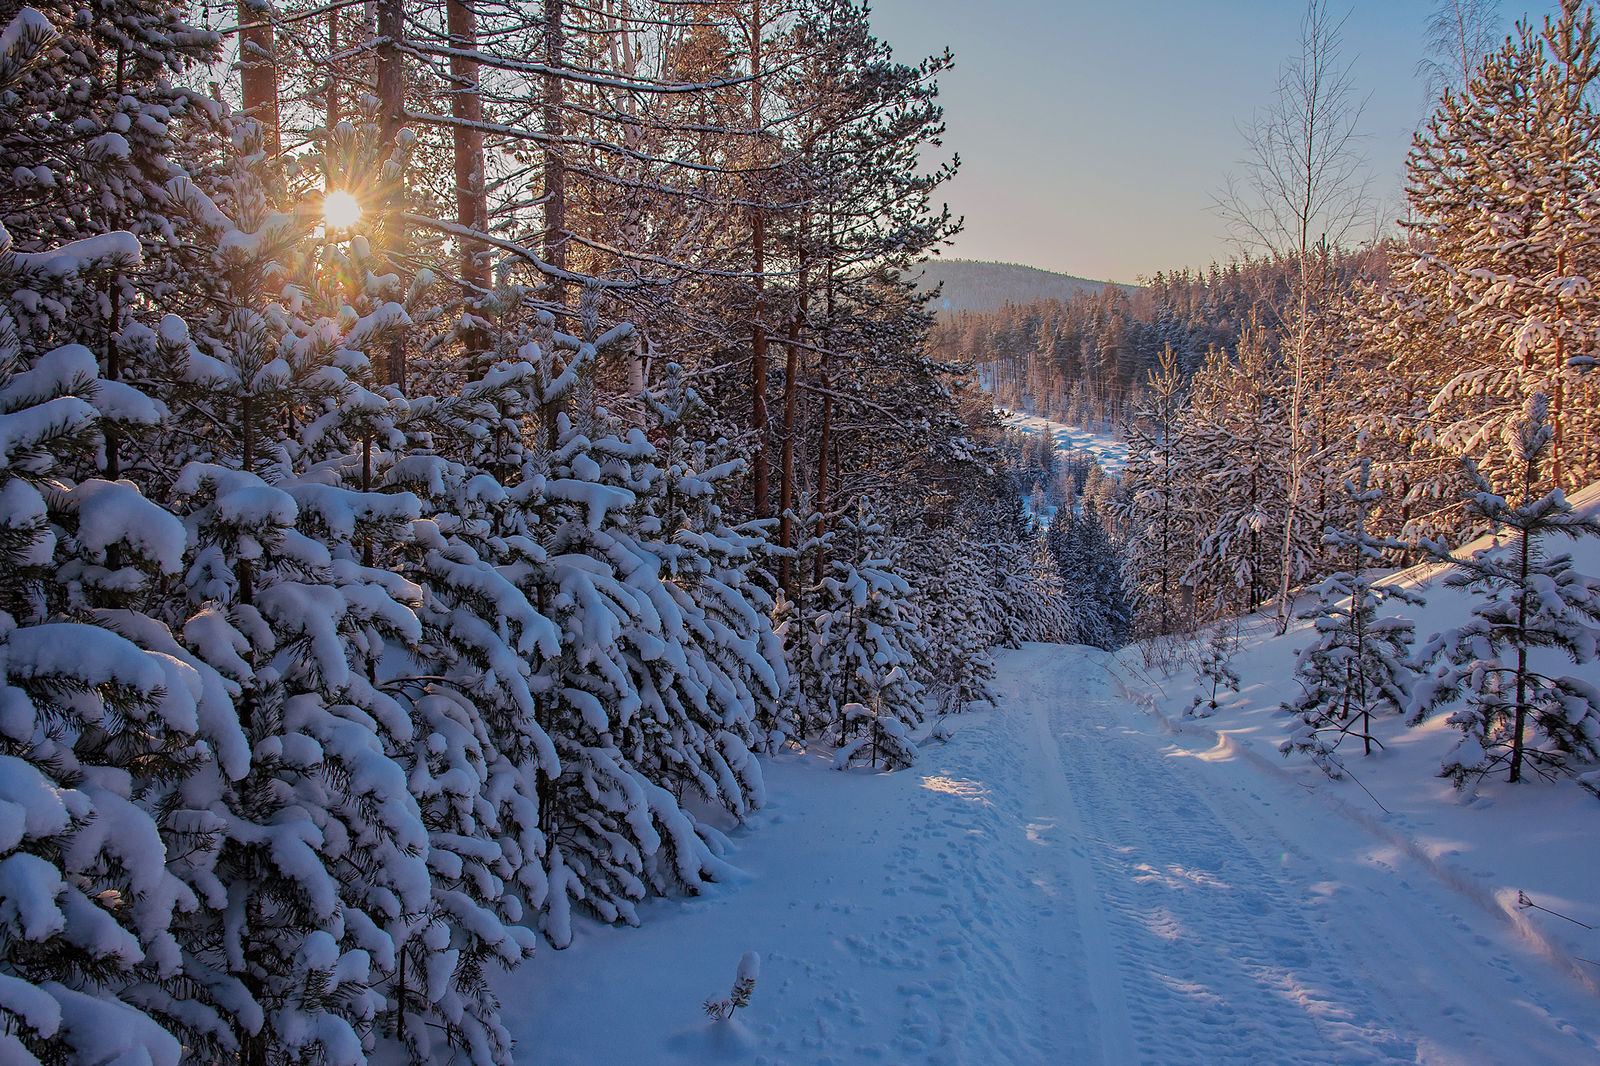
{"points": [[1358, 664], [1514, 715], [744, 984]]}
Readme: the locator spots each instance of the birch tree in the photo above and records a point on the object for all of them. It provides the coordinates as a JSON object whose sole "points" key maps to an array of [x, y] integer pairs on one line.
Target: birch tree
{"points": [[1304, 183]]}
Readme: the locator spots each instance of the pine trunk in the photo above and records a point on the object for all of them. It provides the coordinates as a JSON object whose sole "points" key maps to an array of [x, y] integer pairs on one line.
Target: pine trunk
{"points": [[392, 108], [258, 64], [467, 105], [555, 176], [1520, 726], [791, 403], [555, 171], [760, 474]]}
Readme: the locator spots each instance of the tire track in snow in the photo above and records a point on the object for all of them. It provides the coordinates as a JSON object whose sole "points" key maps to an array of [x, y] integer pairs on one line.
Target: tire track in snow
{"points": [[1222, 964], [1057, 828], [1232, 941], [1061, 883]]}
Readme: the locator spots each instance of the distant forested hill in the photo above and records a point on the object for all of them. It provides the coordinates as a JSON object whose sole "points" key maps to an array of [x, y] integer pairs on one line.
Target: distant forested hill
{"points": [[970, 285]]}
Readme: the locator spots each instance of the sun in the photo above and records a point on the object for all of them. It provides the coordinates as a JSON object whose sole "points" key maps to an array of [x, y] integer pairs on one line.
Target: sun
{"points": [[340, 210]]}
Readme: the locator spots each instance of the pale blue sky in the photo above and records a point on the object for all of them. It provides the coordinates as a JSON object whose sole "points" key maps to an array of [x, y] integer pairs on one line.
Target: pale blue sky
{"points": [[1093, 133]]}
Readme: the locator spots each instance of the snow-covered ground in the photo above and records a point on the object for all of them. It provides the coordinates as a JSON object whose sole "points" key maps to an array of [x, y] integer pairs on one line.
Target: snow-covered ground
{"points": [[1076, 878], [1109, 452], [1497, 845]]}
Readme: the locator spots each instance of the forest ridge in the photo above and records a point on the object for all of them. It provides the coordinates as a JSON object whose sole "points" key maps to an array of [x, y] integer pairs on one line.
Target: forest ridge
{"points": [[970, 285]]}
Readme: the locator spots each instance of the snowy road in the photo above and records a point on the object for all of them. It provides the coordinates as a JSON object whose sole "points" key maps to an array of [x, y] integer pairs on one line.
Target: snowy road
{"points": [[1064, 882], [1252, 925]]}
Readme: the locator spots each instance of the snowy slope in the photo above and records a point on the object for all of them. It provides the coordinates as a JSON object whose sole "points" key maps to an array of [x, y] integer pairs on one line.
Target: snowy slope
{"points": [[1068, 881], [1492, 841], [1110, 453]]}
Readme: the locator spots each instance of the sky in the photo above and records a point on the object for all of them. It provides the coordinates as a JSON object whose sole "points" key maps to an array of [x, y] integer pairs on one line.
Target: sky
{"points": [[1094, 134]]}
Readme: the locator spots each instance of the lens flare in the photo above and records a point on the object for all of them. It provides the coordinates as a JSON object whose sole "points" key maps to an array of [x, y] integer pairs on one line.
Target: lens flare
{"points": [[340, 210]]}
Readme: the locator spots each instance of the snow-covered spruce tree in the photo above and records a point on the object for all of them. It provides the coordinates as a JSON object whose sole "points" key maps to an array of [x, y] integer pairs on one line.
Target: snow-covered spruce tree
{"points": [[89, 721], [860, 643], [1024, 599], [1150, 503], [1090, 566], [1515, 715], [958, 665], [1359, 664]]}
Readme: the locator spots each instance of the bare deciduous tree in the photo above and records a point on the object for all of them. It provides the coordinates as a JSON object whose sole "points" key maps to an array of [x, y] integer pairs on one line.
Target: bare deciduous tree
{"points": [[1305, 183], [1460, 32]]}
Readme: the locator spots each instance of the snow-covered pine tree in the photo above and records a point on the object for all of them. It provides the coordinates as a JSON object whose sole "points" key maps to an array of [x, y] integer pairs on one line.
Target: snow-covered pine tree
{"points": [[1359, 664], [714, 571], [89, 720], [1241, 480], [478, 751], [441, 1007], [640, 695], [322, 851], [97, 131], [318, 854], [1518, 715], [449, 680], [795, 618], [1502, 183], [1214, 668], [958, 665], [1090, 567], [615, 828], [94, 130], [1395, 346], [1150, 503], [403, 527], [875, 735], [1024, 599], [491, 615]]}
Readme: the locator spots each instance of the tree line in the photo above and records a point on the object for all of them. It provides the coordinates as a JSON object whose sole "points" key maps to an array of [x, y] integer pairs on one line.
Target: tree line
{"points": [[1417, 352], [1396, 402]]}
